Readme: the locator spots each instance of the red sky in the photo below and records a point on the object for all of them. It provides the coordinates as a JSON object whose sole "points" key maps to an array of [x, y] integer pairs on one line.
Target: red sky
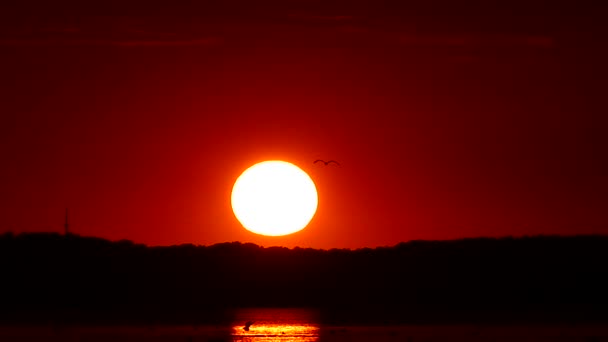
{"points": [[449, 120]]}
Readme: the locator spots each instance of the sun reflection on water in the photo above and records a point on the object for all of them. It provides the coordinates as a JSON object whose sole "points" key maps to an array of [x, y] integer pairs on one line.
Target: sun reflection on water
{"points": [[293, 325]]}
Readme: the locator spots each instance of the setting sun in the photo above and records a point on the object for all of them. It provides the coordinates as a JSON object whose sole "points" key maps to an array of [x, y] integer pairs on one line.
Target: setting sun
{"points": [[274, 198]]}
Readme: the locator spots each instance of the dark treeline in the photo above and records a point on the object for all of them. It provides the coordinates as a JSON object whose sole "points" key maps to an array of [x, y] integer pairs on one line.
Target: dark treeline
{"points": [[544, 278]]}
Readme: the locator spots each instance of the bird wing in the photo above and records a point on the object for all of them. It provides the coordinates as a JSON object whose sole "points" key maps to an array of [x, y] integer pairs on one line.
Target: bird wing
{"points": [[333, 161], [319, 160]]}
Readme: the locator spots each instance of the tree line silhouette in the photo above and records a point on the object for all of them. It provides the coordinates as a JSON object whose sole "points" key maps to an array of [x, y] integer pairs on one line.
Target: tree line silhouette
{"points": [[541, 278]]}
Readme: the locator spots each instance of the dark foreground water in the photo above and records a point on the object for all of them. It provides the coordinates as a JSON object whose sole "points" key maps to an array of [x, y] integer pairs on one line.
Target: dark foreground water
{"points": [[298, 325]]}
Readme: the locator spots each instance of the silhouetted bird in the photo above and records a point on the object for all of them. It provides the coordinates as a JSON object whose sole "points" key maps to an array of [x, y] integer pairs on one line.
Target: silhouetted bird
{"points": [[326, 162], [247, 325]]}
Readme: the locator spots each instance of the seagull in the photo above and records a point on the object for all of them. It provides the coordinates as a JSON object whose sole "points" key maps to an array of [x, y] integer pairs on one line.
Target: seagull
{"points": [[326, 162], [247, 325]]}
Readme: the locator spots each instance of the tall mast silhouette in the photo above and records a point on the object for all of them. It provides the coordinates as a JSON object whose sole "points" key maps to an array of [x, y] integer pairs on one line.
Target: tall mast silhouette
{"points": [[66, 225]]}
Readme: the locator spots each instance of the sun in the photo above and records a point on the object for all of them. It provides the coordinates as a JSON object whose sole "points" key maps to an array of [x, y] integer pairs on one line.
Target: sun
{"points": [[274, 198]]}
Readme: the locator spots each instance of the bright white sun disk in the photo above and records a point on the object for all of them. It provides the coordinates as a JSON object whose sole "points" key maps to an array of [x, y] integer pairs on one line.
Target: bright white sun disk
{"points": [[274, 198]]}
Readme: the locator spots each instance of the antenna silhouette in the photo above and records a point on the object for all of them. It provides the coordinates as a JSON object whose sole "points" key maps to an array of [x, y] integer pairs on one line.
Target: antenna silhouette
{"points": [[66, 225]]}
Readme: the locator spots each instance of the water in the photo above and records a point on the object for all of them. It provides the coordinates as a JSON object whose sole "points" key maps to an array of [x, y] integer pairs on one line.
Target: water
{"points": [[300, 325], [281, 325]]}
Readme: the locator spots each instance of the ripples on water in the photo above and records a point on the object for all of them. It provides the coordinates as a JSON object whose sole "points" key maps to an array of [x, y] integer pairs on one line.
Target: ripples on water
{"points": [[300, 325], [283, 325]]}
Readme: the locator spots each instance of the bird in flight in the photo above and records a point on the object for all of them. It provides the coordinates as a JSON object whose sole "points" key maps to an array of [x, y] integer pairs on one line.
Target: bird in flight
{"points": [[326, 162], [247, 325]]}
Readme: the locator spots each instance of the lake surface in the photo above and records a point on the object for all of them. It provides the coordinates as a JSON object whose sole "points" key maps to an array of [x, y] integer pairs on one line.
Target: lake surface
{"points": [[276, 325], [300, 325]]}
